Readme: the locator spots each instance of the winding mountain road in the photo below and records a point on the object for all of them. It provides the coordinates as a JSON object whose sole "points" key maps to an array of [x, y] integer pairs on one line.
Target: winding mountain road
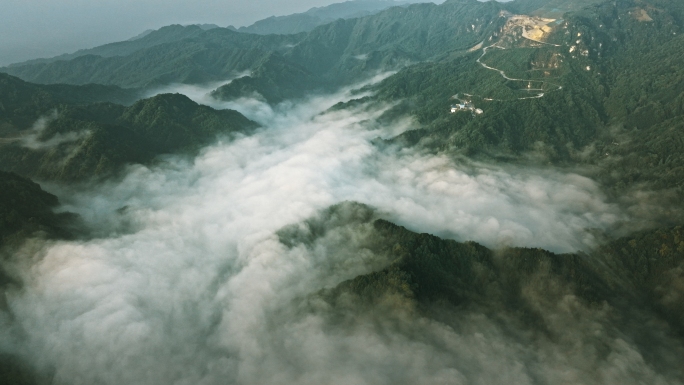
{"points": [[503, 74]]}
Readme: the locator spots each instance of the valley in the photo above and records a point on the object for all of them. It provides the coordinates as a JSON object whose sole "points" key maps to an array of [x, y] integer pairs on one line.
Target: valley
{"points": [[300, 201]]}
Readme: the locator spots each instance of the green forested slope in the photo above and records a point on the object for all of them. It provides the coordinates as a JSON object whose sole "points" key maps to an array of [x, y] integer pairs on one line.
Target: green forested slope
{"points": [[619, 109], [203, 56], [508, 125], [25, 208], [314, 17], [617, 63], [643, 267], [167, 34], [536, 298], [337, 53], [274, 78], [25, 211], [22, 103], [619, 117], [397, 35], [46, 137], [282, 25], [172, 122]]}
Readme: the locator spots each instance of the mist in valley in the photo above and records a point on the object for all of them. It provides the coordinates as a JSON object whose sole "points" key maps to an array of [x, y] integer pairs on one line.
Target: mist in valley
{"points": [[185, 279]]}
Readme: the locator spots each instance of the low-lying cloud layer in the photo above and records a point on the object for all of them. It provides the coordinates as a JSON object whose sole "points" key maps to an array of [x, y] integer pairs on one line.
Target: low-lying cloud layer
{"points": [[189, 284], [33, 138]]}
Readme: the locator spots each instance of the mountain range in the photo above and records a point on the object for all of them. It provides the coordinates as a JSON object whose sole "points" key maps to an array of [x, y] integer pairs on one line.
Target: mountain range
{"points": [[594, 87], [314, 17]]}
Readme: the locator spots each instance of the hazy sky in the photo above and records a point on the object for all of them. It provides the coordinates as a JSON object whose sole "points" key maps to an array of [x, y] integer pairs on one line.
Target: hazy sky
{"points": [[45, 28]]}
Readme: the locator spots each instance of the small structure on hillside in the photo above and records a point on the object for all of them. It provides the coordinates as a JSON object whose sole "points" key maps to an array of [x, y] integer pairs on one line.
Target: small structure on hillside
{"points": [[465, 106], [461, 107]]}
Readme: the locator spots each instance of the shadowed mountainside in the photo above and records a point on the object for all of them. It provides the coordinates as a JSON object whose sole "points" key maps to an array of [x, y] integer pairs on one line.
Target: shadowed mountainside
{"points": [[47, 134], [619, 110], [334, 54], [531, 296]]}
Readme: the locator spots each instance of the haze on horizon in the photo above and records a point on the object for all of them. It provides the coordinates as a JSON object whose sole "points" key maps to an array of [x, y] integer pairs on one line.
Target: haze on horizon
{"points": [[31, 29]]}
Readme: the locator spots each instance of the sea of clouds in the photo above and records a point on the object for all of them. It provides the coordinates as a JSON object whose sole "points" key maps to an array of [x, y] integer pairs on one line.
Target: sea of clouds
{"points": [[186, 281]]}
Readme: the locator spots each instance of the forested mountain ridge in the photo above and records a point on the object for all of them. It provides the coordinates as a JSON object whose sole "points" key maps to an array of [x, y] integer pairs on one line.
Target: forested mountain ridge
{"points": [[273, 78], [336, 53], [215, 54], [586, 69], [396, 36], [26, 208], [619, 105], [167, 34], [314, 17], [50, 133], [534, 295], [281, 25], [598, 92], [22, 103]]}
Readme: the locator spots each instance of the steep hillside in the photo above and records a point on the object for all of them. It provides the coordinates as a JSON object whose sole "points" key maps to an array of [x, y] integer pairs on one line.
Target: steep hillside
{"points": [[197, 56], [283, 25], [23, 103], [397, 35], [575, 305], [25, 209], [168, 34], [306, 21], [274, 78], [337, 53], [213, 286], [604, 88], [52, 140]]}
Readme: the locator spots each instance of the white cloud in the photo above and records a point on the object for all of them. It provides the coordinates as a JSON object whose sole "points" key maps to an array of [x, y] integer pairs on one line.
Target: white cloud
{"points": [[199, 290], [33, 139]]}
